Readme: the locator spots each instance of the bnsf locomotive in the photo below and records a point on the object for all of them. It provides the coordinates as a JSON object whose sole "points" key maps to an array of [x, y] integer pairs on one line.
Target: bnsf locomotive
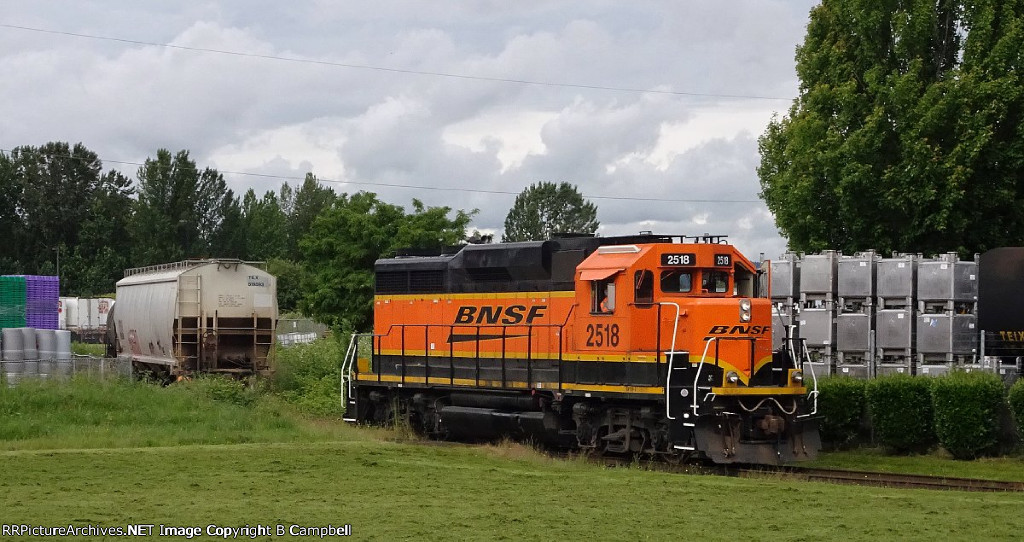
{"points": [[647, 344]]}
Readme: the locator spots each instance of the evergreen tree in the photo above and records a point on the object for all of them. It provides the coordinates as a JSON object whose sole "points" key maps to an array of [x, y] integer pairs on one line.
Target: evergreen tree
{"points": [[180, 210]]}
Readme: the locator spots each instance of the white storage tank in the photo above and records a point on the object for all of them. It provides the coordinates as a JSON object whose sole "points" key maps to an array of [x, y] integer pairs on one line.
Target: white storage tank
{"points": [[197, 316]]}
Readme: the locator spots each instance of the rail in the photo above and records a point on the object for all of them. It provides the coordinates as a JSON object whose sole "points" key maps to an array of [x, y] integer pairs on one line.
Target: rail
{"points": [[187, 264]]}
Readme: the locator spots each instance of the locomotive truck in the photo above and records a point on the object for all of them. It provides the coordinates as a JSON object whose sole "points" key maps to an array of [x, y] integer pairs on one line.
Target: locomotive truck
{"points": [[649, 344]]}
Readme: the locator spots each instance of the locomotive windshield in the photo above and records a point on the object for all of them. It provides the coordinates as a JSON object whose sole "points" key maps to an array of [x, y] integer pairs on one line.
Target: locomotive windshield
{"points": [[676, 281], [716, 282]]}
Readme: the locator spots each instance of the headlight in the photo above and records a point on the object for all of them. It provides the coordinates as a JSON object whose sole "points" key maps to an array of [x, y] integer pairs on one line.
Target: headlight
{"points": [[798, 377], [732, 377], [744, 310]]}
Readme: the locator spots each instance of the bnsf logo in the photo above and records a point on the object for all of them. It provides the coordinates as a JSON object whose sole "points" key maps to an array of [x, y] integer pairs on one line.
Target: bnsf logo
{"points": [[511, 315], [739, 330]]}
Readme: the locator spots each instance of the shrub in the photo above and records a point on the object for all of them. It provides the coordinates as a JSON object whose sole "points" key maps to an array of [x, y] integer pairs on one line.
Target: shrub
{"points": [[1016, 400], [901, 412], [224, 389], [841, 405], [967, 409], [308, 375]]}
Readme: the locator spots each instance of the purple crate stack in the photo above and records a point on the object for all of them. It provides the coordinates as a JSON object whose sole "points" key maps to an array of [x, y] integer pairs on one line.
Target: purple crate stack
{"points": [[41, 300]]}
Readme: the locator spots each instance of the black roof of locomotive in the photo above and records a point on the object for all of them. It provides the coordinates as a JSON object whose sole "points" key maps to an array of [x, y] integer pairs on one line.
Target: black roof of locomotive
{"points": [[499, 267]]}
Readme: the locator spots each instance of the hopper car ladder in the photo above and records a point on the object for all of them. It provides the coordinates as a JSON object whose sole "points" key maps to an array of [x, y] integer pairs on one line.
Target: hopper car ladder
{"points": [[189, 309]]}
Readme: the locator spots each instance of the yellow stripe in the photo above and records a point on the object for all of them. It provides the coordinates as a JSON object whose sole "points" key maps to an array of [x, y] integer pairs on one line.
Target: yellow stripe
{"points": [[396, 379], [614, 389], [519, 356], [760, 391], [492, 295]]}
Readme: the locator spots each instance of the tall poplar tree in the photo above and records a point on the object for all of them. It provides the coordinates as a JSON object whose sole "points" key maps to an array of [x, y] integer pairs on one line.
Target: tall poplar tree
{"points": [[907, 133]]}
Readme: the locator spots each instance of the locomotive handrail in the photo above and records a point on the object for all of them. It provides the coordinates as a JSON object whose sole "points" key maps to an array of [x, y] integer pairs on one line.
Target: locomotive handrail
{"points": [[814, 378], [351, 353], [477, 328], [700, 365], [672, 355]]}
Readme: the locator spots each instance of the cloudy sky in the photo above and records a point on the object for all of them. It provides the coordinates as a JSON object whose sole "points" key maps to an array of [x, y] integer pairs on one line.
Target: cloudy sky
{"points": [[651, 108]]}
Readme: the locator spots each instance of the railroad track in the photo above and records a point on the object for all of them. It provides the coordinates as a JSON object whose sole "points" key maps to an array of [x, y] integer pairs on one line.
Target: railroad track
{"points": [[887, 479], [790, 472], [836, 476]]}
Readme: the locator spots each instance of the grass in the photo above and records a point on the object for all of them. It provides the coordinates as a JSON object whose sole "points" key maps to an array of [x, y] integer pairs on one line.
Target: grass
{"points": [[408, 491], [113, 453], [1010, 468], [88, 413], [89, 349]]}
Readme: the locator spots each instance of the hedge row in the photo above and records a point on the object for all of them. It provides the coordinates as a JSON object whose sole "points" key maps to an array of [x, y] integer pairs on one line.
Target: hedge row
{"points": [[960, 411]]}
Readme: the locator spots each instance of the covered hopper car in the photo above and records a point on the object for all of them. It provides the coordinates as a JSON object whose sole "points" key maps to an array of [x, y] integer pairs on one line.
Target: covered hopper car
{"points": [[649, 344], [195, 316]]}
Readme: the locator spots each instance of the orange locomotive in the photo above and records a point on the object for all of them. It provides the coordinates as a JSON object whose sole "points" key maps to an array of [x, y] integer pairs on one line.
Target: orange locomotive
{"points": [[642, 344]]}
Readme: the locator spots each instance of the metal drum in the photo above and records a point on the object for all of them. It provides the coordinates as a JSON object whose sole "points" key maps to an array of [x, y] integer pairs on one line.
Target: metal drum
{"points": [[62, 364], [13, 354], [47, 341], [31, 352]]}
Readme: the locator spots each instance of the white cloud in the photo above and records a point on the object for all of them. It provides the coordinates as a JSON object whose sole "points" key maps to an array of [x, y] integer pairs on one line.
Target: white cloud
{"points": [[377, 126], [510, 135]]}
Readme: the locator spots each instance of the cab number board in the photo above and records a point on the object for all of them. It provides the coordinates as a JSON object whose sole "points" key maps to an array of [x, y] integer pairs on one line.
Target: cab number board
{"points": [[723, 260], [679, 260]]}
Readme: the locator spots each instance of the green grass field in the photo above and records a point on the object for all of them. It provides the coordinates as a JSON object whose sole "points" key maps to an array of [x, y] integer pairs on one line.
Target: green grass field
{"points": [[111, 454]]}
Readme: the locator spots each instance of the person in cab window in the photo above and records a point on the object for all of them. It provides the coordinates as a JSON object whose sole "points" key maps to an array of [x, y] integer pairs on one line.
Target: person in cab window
{"points": [[604, 297]]}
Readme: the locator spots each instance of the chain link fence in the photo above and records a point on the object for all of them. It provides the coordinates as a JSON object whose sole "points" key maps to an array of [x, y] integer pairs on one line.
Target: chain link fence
{"points": [[14, 372], [292, 331]]}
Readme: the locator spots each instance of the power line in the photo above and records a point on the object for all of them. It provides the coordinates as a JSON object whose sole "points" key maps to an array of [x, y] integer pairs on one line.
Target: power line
{"points": [[413, 186], [397, 70]]}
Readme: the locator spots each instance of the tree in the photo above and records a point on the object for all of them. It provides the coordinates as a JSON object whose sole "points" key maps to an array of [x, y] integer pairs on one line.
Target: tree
{"points": [[345, 241], [545, 208], [180, 210], [302, 206], [265, 226], [290, 277], [55, 201], [97, 262], [57, 183], [907, 133], [12, 228]]}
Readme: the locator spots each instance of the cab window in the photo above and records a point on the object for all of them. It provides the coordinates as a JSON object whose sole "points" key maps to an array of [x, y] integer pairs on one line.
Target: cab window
{"points": [[602, 296], [715, 282], [676, 281], [643, 282]]}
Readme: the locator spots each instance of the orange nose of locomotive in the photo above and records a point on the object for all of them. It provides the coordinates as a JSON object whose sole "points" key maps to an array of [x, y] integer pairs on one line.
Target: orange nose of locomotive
{"points": [[732, 334]]}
